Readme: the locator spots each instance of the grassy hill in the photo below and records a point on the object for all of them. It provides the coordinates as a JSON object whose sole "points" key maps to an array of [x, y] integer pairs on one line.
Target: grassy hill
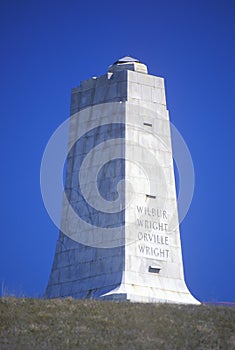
{"points": [[91, 324]]}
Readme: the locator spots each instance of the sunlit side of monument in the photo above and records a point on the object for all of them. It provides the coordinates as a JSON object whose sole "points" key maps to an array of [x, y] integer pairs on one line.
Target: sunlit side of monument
{"points": [[125, 244]]}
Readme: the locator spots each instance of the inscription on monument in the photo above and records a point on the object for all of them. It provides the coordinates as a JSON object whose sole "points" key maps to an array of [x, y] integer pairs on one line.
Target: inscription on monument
{"points": [[152, 237]]}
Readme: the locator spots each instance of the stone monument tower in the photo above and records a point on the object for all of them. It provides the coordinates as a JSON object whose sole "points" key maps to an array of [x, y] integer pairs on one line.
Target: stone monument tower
{"points": [[119, 237]]}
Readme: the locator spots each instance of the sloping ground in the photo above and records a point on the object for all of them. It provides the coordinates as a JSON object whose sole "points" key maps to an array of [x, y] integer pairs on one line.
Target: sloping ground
{"points": [[91, 324]]}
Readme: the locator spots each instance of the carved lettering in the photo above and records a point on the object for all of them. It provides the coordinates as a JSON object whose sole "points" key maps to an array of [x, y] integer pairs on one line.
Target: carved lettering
{"points": [[149, 225], [153, 240], [152, 212], [156, 252]]}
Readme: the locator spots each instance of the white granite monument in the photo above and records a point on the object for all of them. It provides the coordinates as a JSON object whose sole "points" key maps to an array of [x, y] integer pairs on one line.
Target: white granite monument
{"points": [[120, 237]]}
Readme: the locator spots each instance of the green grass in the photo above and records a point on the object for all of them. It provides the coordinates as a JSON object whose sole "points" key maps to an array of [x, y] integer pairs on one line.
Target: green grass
{"points": [[91, 324]]}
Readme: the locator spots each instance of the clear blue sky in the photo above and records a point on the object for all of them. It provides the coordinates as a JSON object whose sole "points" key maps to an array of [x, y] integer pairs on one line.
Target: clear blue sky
{"points": [[48, 47]]}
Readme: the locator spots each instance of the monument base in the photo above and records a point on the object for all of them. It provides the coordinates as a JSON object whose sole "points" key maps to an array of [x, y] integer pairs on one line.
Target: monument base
{"points": [[139, 294]]}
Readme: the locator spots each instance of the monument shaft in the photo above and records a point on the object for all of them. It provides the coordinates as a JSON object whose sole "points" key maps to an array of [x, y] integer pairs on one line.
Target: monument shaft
{"points": [[120, 236]]}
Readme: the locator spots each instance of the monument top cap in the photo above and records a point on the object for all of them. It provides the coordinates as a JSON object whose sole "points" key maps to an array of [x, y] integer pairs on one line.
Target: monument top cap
{"points": [[128, 63], [127, 59]]}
